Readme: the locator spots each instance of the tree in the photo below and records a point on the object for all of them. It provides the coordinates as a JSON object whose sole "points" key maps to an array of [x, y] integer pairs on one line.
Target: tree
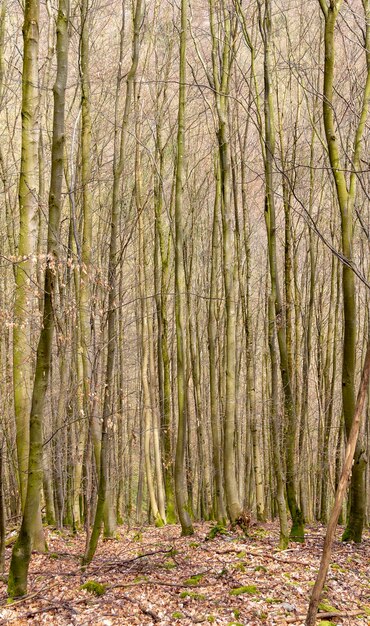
{"points": [[21, 555], [346, 196], [119, 162], [24, 272], [297, 531], [180, 287]]}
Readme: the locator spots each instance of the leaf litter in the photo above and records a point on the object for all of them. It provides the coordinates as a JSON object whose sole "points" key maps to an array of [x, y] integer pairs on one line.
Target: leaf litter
{"points": [[151, 576]]}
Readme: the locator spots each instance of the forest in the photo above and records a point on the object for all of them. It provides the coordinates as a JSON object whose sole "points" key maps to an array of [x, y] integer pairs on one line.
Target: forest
{"points": [[184, 308]]}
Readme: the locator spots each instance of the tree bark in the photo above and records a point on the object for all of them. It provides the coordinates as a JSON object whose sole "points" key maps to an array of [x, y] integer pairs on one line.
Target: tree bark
{"points": [[21, 555], [180, 298]]}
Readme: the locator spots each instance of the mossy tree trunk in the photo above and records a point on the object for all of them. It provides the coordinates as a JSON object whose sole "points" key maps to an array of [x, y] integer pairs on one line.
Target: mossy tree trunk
{"points": [[329, 377], [297, 530], [220, 509], [162, 242], [162, 252], [85, 249], [21, 555], [118, 166], [147, 408], [180, 293], [346, 196], [28, 231], [2, 508], [222, 55], [276, 430]]}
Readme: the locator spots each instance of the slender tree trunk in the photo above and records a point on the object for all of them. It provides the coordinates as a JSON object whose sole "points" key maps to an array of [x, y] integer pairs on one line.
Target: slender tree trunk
{"points": [[87, 242], [112, 279], [329, 376], [275, 429], [162, 279], [145, 339], [221, 64], [155, 415], [180, 297], [297, 531], [212, 343], [2, 509]]}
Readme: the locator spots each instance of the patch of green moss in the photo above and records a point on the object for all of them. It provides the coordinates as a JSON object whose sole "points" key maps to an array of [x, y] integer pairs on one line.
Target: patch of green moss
{"points": [[337, 567], [272, 600], [239, 566], [249, 589], [140, 579], [223, 572], [263, 616], [193, 580], [241, 554], [192, 595], [260, 532], [54, 555], [173, 552], [260, 568], [194, 544], [169, 565], [326, 607], [325, 622], [347, 535], [297, 532], [236, 613], [93, 587], [177, 615], [217, 529], [211, 619], [138, 536]]}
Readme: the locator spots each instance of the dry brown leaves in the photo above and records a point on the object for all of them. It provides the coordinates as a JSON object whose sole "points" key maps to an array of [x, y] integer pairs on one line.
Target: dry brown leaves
{"points": [[146, 575]]}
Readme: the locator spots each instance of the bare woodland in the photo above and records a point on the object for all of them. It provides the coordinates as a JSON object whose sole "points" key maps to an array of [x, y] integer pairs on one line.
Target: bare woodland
{"points": [[184, 269]]}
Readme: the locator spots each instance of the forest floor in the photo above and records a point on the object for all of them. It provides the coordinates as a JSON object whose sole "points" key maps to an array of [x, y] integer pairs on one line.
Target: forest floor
{"points": [[153, 576]]}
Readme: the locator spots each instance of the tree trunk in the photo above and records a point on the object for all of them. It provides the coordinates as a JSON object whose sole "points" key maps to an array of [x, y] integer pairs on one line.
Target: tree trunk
{"points": [[21, 555], [180, 298], [297, 531], [346, 195]]}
